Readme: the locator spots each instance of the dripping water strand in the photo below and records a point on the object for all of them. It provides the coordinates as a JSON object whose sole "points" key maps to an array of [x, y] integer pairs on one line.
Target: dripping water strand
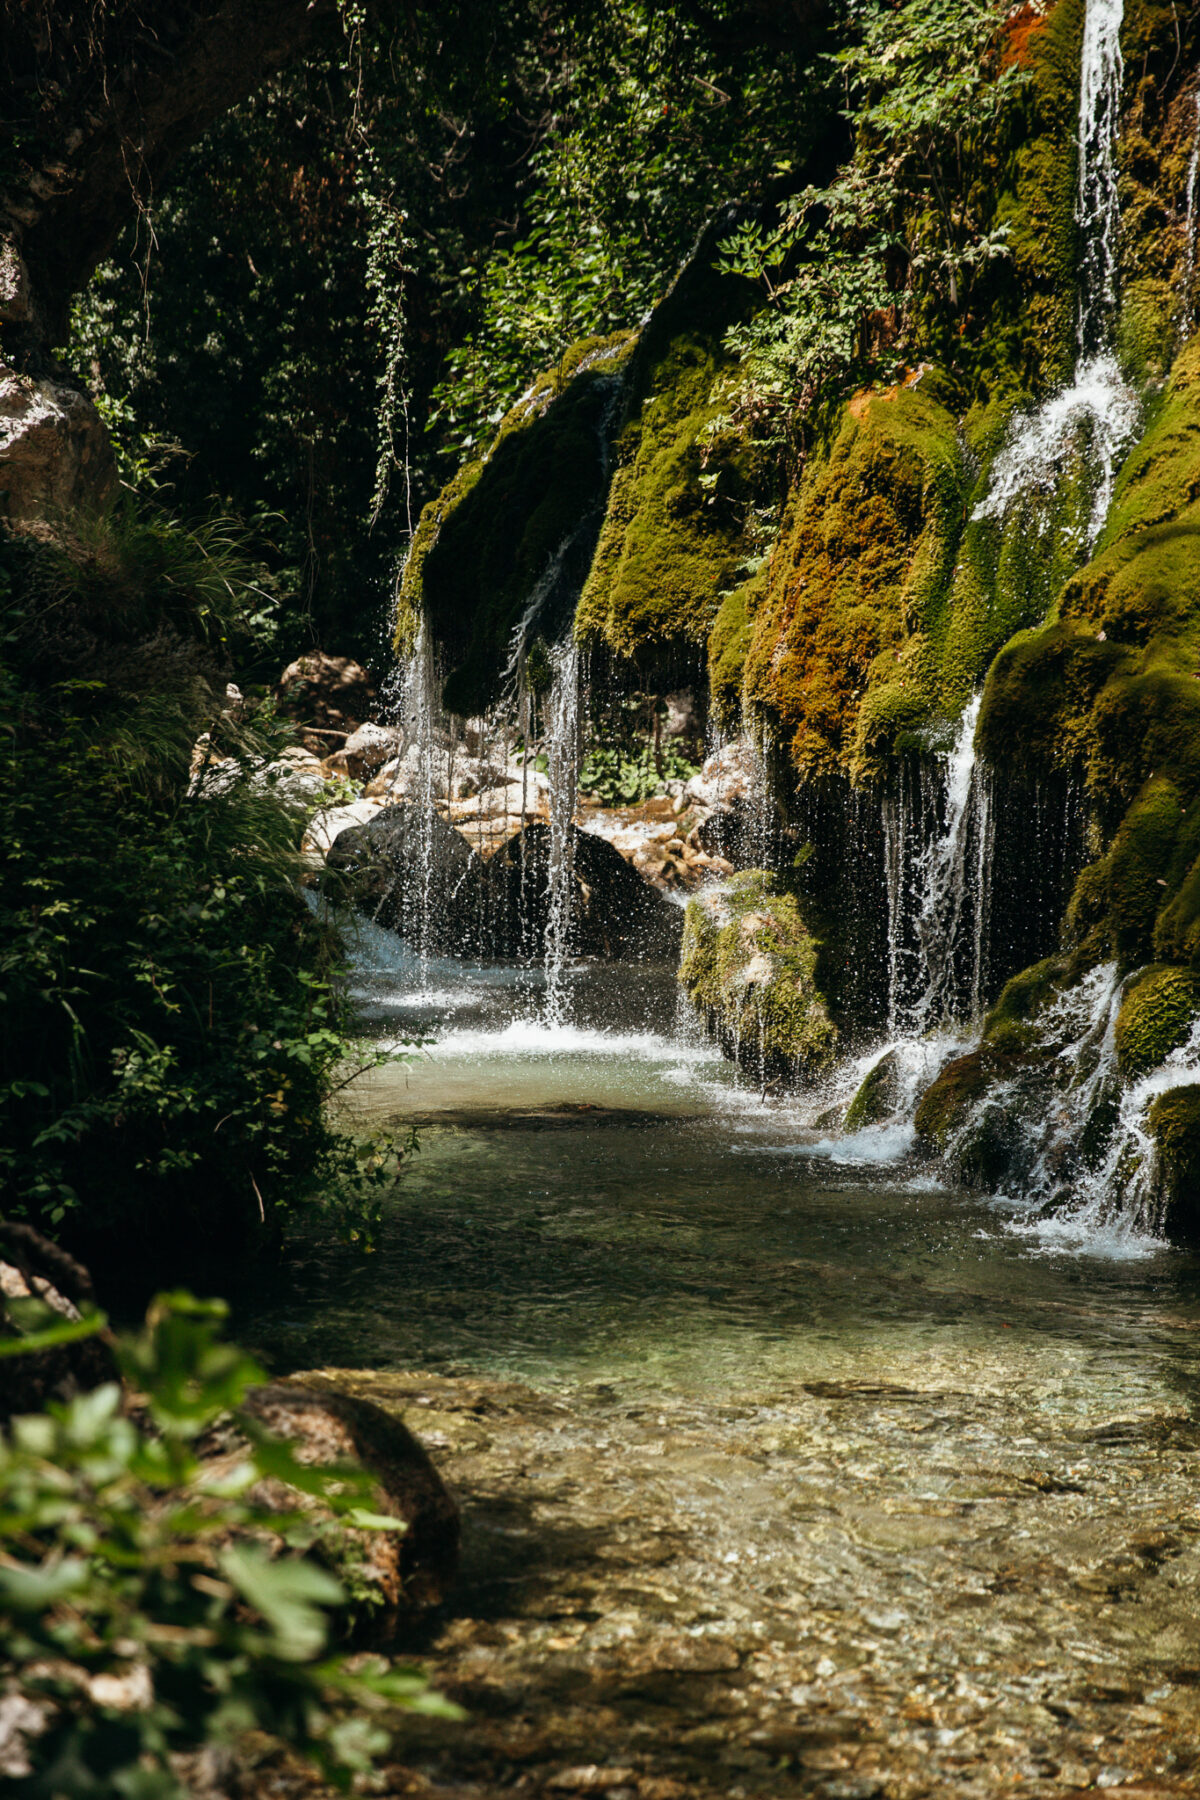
{"points": [[1189, 249], [562, 751], [935, 816], [1096, 206]]}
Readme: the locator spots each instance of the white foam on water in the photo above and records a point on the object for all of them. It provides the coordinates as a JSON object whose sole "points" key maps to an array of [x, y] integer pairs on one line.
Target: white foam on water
{"points": [[539, 1038], [873, 1146], [1078, 1234]]}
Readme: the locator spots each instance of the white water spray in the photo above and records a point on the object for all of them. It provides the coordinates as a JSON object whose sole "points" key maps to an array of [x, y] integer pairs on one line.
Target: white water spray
{"points": [[1094, 1158], [1096, 417]]}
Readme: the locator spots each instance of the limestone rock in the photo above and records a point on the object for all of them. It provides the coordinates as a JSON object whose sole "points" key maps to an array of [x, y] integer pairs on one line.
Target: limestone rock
{"points": [[388, 866], [55, 456], [614, 912], [327, 825], [366, 750], [729, 776]]}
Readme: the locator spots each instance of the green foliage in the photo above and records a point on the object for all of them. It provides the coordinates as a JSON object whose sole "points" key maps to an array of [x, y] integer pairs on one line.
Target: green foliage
{"points": [[658, 115], [627, 758], [174, 1020], [150, 1604], [856, 273]]}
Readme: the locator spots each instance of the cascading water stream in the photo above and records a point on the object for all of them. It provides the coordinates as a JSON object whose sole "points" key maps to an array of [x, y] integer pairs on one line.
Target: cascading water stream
{"points": [[418, 710], [1097, 212], [1188, 308], [937, 847], [1089, 1171], [1097, 415], [562, 750]]}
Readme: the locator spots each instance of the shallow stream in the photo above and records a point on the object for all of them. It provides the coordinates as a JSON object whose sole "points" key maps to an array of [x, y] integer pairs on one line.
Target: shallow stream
{"points": [[785, 1470]]}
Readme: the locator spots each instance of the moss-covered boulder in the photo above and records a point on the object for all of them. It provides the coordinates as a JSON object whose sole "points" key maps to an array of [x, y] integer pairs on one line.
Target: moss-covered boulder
{"points": [[1174, 1120], [676, 538], [968, 1116], [877, 1096], [1157, 1011], [1111, 685], [505, 547], [748, 966]]}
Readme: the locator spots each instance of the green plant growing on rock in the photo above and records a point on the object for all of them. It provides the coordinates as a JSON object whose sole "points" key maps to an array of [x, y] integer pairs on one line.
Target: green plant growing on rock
{"points": [[748, 965], [152, 1606]]}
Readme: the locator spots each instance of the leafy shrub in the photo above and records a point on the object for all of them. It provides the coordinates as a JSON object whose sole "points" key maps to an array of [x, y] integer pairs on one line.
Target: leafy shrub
{"points": [[174, 1019], [146, 1605]]}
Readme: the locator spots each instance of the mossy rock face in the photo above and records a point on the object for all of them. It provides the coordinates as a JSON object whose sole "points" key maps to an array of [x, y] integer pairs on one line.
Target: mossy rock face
{"points": [[946, 1103], [877, 1097], [674, 539], [1156, 1016], [838, 659], [1110, 686], [514, 533], [1010, 1026], [980, 1136], [1174, 1121], [748, 965]]}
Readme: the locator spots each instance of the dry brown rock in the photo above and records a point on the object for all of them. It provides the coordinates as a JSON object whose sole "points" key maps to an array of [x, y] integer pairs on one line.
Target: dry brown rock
{"points": [[400, 1571], [55, 455], [32, 1268], [330, 695]]}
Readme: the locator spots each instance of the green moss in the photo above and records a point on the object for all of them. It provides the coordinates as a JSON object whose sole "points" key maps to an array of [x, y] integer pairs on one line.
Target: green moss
{"points": [[1028, 345], [1174, 1121], [673, 537], [876, 1097], [520, 524], [1010, 1025], [729, 644], [1155, 1017], [839, 657], [948, 1102], [748, 965], [1110, 685]]}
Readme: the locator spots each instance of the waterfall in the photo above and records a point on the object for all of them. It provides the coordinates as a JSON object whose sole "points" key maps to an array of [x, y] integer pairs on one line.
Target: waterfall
{"points": [[1097, 415], [417, 705], [1096, 211], [1086, 1167], [937, 841], [561, 739], [1189, 248]]}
